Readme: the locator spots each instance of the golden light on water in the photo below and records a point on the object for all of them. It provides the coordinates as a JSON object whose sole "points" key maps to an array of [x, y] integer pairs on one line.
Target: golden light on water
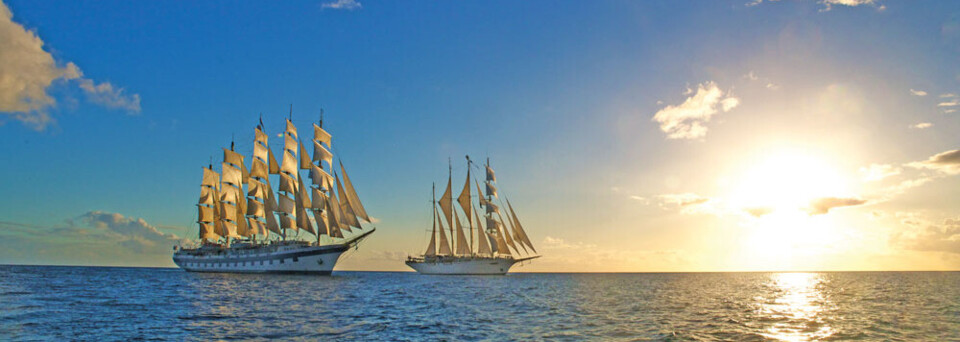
{"points": [[796, 308]]}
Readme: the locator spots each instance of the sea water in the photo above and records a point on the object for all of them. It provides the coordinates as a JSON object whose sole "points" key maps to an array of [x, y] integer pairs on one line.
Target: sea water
{"points": [[51, 303]]}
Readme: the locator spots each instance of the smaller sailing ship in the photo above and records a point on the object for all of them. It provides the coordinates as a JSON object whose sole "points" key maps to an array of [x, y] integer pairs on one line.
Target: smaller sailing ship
{"points": [[496, 248], [239, 230]]}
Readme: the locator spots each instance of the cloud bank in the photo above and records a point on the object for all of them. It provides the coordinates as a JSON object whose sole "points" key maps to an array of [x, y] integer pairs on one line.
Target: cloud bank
{"points": [[946, 162], [27, 71], [688, 119]]}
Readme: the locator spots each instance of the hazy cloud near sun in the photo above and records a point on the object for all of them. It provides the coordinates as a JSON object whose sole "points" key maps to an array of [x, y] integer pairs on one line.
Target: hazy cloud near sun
{"points": [[688, 120], [921, 235], [27, 70], [876, 172], [823, 205]]}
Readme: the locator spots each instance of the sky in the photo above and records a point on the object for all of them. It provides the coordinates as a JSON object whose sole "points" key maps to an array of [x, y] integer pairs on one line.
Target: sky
{"points": [[630, 136]]}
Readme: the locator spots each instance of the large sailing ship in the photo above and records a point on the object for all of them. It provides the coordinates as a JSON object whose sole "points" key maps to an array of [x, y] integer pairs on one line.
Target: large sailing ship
{"points": [[239, 228], [497, 246]]}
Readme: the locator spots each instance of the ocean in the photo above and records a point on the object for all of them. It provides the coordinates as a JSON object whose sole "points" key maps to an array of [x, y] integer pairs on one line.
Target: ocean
{"points": [[52, 303]]}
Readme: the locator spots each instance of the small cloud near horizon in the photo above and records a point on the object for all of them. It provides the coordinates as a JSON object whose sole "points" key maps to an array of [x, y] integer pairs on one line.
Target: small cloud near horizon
{"points": [[342, 4]]}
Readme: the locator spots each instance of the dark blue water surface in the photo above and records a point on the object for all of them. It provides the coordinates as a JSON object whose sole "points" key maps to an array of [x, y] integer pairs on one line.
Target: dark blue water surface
{"points": [[48, 303]]}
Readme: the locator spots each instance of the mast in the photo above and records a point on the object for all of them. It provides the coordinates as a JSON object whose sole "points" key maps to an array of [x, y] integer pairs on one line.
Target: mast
{"points": [[453, 243]]}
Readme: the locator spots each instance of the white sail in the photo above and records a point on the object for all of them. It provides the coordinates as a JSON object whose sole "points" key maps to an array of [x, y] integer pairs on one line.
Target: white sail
{"points": [[229, 194], [464, 198], [319, 134], [333, 219], [289, 164], [444, 245], [232, 157], [256, 226], [274, 168], [287, 204], [338, 210], [462, 247], [321, 153], [490, 176], [502, 247], [228, 211], [303, 197], [255, 208], [491, 190], [483, 243], [482, 201], [506, 234], [319, 176], [287, 183], [290, 144], [205, 214], [207, 195], [260, 152], [259, 169], [230, 230], [272, 224], [319, 198], [288, 222], [232, 175], [492, 242], [446, 205], [257, 188], [352, 196], [322, 222], [207, 231], [260, 137], [291, 129], [345, 206], [304, 158], [211, 178], [518, 228]]}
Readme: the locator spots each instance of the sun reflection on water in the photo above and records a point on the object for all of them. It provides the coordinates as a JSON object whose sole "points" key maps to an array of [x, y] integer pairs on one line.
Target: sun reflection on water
{"points": [[795, 310]]}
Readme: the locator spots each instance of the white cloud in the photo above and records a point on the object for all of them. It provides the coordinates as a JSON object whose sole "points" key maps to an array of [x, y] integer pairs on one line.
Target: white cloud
{"points": [[343, 4], [952, 103], [921, 125], [688, 119], [27, 71], [876, 172], [918, 92], [947, 95], [946, 162], [136, 234], [828, 4], [108, 96]]}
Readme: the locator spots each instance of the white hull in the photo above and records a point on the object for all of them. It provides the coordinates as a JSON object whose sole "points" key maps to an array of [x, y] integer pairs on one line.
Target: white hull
{"points": [[463, 265], [265, 259]]}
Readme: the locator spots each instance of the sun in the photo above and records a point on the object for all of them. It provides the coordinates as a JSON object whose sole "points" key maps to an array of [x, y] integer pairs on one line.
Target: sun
{"points": [[786, 181]]}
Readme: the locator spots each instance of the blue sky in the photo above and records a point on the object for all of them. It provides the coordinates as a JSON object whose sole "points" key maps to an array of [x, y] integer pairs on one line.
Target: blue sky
{"points": [[560, 95]]}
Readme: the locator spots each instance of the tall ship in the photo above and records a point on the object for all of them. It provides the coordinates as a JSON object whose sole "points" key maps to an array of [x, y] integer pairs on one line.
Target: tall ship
{"points": [[247, 227], [490, 249]]}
